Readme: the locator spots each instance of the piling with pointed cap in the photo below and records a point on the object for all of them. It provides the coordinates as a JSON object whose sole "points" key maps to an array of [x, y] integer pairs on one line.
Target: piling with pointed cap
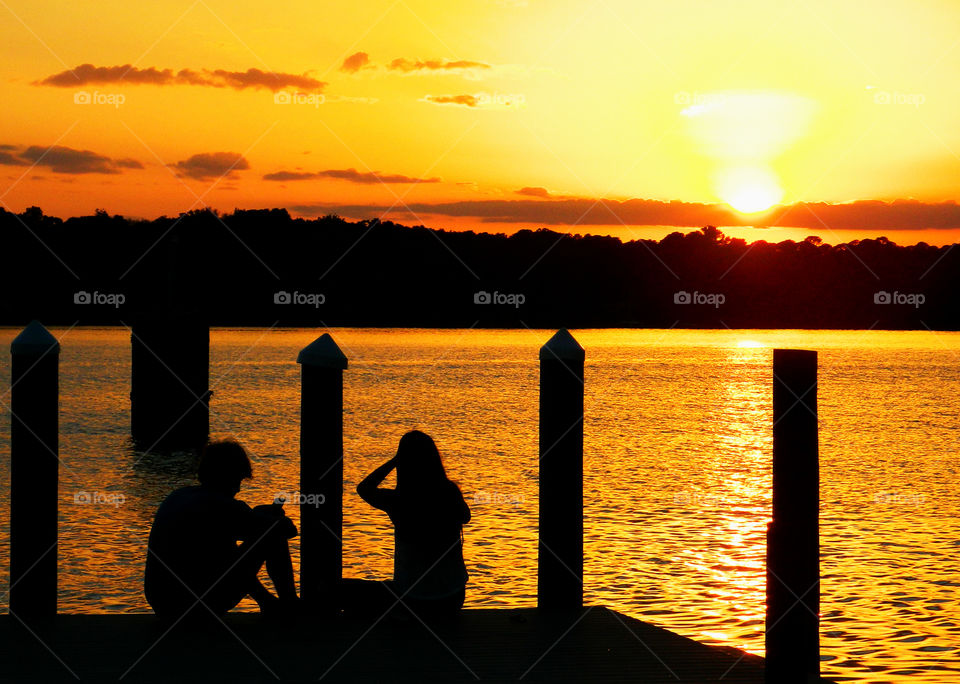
{"points": [[321, 471], [793, 546], [560, 551], [34, 472]]}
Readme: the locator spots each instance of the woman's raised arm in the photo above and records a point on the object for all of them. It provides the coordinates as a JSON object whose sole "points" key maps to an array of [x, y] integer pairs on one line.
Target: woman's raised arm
{"points": [[370, 491]]}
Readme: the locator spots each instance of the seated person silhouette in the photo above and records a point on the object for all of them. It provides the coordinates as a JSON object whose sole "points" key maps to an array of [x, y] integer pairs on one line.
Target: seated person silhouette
{"points": [[428, 512], [195, 566]]}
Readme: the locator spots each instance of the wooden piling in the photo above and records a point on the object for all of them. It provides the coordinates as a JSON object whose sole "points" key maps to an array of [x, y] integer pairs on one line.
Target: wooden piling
{"points": [[169, 384], [34, 473], [560, 548], [170, 345], [793, 562], [321, 471]]}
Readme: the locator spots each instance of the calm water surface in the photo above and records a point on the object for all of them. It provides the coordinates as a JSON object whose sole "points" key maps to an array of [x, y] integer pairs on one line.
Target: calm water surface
{"points": [[677, 472]]}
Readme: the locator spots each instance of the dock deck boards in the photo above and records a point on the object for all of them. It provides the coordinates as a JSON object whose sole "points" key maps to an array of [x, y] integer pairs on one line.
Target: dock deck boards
{"points": [[594, 645]]}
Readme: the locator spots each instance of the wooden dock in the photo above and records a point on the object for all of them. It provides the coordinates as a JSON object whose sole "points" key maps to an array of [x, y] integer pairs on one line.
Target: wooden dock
{"points": [[561, 641], [496, 645]]}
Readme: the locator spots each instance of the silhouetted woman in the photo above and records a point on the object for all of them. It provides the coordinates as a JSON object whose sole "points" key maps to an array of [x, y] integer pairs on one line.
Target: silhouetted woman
{"points": [[428, 513]]}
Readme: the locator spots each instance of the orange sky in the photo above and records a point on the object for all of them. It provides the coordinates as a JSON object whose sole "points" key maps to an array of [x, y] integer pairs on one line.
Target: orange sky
{"points": [[492, 114]]}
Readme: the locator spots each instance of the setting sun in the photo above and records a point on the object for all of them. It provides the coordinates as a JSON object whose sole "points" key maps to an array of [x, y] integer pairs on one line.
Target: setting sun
{"points": [[742, 134], [748, 189]]}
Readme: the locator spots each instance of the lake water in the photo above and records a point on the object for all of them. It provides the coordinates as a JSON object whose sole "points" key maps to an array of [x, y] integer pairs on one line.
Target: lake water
{"points": [[677, 438]]}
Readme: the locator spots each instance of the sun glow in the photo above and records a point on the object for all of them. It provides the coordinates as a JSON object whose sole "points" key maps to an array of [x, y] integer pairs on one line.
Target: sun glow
{"points": [[748, 189], [747, 127], [744, 132]]}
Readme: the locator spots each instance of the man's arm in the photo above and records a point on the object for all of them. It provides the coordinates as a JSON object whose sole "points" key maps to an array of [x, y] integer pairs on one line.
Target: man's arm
{"points": [[252, 524], [275, 517]]}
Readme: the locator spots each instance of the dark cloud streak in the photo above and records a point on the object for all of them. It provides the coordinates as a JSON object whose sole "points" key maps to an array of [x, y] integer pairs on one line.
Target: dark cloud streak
{"points": [[61, 159], [408, 66], [350, 175], [88, 74], [207, 165], [820, 216], [457, 100]]}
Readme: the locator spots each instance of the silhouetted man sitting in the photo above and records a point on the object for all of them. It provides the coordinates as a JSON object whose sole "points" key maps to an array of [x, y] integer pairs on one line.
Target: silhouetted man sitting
{"points": [[193, 556]]}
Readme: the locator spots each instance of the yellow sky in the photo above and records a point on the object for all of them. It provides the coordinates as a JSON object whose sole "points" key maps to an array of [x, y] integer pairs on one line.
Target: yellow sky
{"points": [[819, 101]]}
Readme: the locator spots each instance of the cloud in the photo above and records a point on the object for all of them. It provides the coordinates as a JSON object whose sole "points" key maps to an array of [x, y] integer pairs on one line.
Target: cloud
{"points": [[481, 99], [901, 214], [457, 100], [407, 66], [88, 74], [60, 159], [542, 193], [350, 175], [290, 176], [871, 215], [11, 159], [355, 176], [355, 62], [534, 192], [208, 165], [255, 78], [466, 67]]}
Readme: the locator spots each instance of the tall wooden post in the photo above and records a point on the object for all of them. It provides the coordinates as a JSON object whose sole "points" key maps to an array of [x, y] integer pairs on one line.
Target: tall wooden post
{"points": [[34, 472], [793, 536], [169, 384], [560, 551], [321, 471], [170, 345]]}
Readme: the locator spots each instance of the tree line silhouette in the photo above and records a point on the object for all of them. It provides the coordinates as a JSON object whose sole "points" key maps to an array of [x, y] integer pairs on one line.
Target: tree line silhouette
{"points": [[262, 267]]}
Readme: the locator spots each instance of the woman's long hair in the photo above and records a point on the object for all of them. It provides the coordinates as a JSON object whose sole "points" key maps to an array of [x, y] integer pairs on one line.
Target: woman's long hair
{"points": [[419, 465]]}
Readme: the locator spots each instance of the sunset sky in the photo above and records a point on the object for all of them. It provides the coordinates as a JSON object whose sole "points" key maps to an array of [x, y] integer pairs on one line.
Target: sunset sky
{"points": [[613, 117]]}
